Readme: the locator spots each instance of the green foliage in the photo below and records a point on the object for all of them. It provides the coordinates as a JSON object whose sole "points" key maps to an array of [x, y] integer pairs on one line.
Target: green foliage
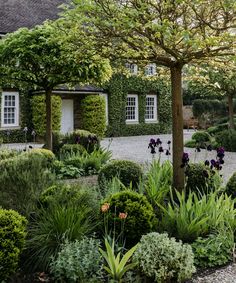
{"points": [[12, 235], [8, 153], [216, 129], [67, 195], [164, 259], [88, 140], [118, 87], [158, 181], [186, 217], [22, 179], [14, 136], [230, 188], [78, 261], [94, 114], [72, 148], [38, 105], [127, 171], [215, 250], [48, 155], [53, 227], [201, 179], [227, 139], [201, 137], [210, 107], [117, 266], [140, 215]]}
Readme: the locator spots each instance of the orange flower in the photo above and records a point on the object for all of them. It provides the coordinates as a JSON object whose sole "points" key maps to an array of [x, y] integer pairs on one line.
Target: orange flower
{"points": [[105, 207], [123, 215]]}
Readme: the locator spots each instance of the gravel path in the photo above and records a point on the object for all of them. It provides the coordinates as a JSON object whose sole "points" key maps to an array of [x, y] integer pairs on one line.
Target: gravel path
{"points": [[136, 149]]}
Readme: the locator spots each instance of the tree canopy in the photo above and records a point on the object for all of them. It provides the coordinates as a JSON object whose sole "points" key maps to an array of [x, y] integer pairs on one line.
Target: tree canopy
{"points": [[40, 58], [166, 32]]}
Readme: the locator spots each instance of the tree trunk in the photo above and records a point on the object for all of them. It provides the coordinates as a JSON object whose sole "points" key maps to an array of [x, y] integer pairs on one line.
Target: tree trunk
{"points": [[48, 119], [231, 112], [177, 127]]}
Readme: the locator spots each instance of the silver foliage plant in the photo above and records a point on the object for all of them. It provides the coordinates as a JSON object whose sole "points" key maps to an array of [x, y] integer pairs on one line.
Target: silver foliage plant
{"points": [[162, 258]]}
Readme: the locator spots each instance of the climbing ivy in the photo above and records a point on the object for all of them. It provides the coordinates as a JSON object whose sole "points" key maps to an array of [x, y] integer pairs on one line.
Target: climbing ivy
{"points": [[119, 87]]}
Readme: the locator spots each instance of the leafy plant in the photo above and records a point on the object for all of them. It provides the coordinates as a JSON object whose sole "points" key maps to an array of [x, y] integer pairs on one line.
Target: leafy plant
{"points": [[227, 139], [201, 137], [158, 181], [140, 215], [78, 261], [12, 235], [163, 259], [230, 188], [186, 217], [52, 227], [201, 179], [72, 148], [215, 250], [85, 138], [117, 266], [127, 171], [22, 179]]}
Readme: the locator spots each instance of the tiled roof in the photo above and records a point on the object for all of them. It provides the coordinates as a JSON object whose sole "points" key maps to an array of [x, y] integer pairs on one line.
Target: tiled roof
{"points": [[15, 14]]}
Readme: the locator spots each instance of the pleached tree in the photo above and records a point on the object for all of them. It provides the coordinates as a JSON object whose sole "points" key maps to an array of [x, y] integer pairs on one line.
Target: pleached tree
{"points": [[170, 33], [41, 58]]}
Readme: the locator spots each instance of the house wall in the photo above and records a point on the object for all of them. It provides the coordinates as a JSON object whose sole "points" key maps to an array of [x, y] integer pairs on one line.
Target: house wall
{"points": [[118, 89]]}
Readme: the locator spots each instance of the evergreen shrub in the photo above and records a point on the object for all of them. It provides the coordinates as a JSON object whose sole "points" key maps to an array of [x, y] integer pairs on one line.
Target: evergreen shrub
{"points": [[94, 114], [127, 171], [85, 138], [227, 139], [201, 179], [140, 215], [163, 259], [201, 137], [72, 148], [39, 114], [12, 240]]}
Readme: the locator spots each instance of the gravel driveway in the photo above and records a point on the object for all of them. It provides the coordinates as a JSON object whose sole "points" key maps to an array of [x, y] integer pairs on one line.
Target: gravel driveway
{"points": [[136, 148]]}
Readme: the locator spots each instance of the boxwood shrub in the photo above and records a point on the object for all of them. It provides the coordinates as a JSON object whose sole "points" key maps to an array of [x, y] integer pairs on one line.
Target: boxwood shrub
{"points": [[127, 171], [201, 137], [140, 217], [12, 235]]}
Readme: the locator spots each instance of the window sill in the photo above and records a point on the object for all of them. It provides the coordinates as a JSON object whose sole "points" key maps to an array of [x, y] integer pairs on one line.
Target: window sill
{"points": [[131, 122], [4, 128], [151, 121]]}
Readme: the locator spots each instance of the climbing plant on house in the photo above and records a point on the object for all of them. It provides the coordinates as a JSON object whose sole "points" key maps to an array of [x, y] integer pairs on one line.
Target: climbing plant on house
{"points": [[40, 58]]}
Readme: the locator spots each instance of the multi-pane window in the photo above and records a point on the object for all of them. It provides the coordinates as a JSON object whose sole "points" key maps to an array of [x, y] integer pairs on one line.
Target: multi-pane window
{"points": [[132, 108], [10, 109], [151, 108], [133, 68], [150, 69]]}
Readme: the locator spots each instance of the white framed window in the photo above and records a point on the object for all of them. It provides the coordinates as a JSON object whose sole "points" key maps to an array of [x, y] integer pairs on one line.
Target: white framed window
{"points": [[151, 108], [132, 108], [10, 109], [150, 69], [133, 68]]}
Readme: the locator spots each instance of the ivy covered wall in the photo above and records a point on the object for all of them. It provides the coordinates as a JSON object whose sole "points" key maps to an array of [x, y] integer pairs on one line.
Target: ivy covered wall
{"points": [[119, 87]]}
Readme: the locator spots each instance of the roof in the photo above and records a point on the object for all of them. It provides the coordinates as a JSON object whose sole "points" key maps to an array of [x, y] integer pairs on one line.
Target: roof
{"points": [[15, 14]]}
